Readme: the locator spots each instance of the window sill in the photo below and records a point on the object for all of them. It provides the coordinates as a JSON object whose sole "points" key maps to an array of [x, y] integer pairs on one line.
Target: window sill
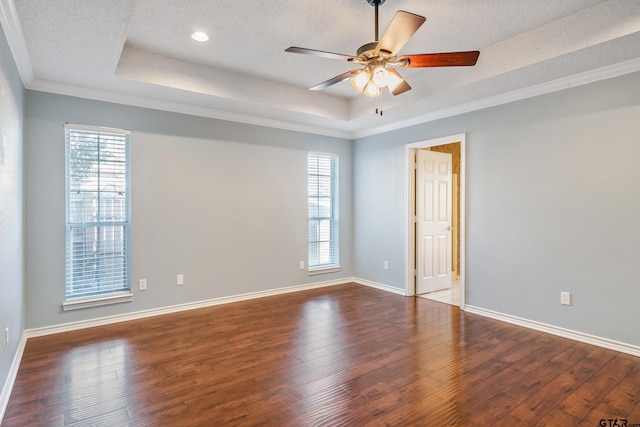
{"points": [[79, 303], [324, 270]]}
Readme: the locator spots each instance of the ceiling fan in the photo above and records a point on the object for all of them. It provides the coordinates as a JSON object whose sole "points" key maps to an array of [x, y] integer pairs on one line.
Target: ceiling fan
{"points": [[375, 57]]}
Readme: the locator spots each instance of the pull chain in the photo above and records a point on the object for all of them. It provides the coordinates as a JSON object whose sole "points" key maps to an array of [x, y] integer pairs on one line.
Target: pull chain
{"points": [[379, 107]]}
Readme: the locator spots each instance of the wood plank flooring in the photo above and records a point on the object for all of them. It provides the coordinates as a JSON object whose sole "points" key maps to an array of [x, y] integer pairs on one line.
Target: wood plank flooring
{"points": [[344, 355]]}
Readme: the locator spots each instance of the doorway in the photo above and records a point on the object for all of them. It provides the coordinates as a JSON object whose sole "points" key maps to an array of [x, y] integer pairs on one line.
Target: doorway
{"points": [[455, 145]]}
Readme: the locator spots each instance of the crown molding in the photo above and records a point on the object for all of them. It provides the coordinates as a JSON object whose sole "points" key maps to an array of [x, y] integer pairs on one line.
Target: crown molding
{"points": [[175, 107], [15, 39], [586, 77]]}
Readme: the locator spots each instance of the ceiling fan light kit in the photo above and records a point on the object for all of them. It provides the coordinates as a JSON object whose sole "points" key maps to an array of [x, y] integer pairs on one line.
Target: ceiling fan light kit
{"points": [[377, 57], [374, 77]]}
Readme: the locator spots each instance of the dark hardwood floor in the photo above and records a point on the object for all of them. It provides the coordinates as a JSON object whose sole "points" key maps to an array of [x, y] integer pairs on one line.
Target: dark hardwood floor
{"points": [[344, 355]]}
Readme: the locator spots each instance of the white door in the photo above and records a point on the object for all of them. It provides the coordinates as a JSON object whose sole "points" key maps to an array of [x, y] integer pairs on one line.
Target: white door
{"points": [[433, 216]]}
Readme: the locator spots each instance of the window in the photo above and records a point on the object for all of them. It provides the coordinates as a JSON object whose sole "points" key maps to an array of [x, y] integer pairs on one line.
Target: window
{"points": [[98, 212], [323, 211]]}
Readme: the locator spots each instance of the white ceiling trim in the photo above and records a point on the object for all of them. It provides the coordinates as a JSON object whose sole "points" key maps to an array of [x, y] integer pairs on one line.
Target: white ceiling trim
{"points": [[587, 77], [592, 76], [17, 45], [174, 107]]}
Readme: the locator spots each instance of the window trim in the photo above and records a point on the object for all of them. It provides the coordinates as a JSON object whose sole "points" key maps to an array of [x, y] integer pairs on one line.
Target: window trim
{"points": [[324, 269], [114, 297], [96, 300]]}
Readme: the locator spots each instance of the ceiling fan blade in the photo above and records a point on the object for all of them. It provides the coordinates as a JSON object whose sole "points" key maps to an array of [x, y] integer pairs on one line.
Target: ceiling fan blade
{"points": [[447, 59], [400, 30], [320, 53], [336, 79], [401, 87]]}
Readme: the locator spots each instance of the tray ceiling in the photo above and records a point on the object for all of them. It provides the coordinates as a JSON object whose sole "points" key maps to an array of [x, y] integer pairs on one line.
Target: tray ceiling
{"points": [[139, 52]]}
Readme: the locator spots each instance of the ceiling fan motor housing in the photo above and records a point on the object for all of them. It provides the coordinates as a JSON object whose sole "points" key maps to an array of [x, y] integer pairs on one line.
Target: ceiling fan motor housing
{"points": [[374, 2], [368, 51]]}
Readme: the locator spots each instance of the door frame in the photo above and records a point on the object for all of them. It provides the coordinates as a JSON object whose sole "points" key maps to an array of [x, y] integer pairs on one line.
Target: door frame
{"points": [[410, 201]]}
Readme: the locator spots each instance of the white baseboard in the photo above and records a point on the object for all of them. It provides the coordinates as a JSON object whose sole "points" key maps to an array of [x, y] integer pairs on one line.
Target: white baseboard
{"points": [[101, 321], [556, 330], [380, 286], [11, 378]]}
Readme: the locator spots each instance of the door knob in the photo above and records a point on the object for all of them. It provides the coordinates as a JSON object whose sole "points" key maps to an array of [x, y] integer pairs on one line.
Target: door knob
{"points": [[449, 228]]}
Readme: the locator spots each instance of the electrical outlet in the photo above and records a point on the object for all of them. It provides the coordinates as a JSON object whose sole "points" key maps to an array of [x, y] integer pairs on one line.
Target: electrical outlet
{"points": [[565, 298], [142, 284], [301, 265], [386, 265], [180, 280], [6, 337]]}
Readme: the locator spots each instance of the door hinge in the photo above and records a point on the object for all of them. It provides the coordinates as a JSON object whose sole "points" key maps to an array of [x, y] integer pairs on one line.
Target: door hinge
{"points": [[415, 273]]}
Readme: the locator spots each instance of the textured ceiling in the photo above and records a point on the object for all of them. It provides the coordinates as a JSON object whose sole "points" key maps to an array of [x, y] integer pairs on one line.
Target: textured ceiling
{"points": [[138, 52]]}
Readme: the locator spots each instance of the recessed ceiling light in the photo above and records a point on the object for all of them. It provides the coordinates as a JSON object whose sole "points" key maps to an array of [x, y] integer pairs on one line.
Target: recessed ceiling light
{"points": [[199, 36]]}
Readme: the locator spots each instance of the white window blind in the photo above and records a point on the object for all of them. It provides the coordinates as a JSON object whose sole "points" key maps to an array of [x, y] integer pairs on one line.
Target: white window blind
{"points": [[323, 210], [98, 211]]}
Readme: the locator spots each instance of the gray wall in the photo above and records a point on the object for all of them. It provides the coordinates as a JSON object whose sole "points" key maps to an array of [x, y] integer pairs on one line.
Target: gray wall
{"points": [[553, 202], [552, 205], [11, 209], [222, 203]]}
